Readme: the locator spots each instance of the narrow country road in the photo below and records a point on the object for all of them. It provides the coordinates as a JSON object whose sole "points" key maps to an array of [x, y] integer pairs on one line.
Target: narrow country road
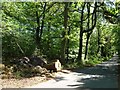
{"points": [[103, 75]]}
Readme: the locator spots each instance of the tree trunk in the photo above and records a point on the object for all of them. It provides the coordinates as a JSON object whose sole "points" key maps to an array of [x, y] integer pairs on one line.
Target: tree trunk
{"points": [[90, 29], [55, 66], [38, 27], [81, 35], [38, 30], [49, 39], [88, 34], [86, 47], [42, 25], [98, 41], [67, 51], [80, 46], [64, 33]]}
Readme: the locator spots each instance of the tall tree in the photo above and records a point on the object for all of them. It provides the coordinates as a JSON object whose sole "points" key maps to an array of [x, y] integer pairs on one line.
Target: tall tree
{"points": [[88, 30], [81, 33], [93, 24], [64, 33]]}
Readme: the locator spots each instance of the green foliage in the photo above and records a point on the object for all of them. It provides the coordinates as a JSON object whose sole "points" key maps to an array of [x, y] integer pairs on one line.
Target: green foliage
{"points": [[23, 74], [93, 60], [73, 65], [19, 24], [106, 41], [16, 44], [116, 32], [18, 75]]}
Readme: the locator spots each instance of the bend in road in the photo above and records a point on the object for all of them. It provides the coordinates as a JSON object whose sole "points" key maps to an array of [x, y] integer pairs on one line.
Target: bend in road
{"points": [[103, 75]]}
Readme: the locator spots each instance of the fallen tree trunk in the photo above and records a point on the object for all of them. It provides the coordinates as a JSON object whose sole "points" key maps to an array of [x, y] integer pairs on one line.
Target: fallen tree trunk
{"points": [[55, 66]]}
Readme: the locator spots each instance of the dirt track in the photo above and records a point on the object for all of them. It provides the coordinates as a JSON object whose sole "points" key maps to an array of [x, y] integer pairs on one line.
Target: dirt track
{"points": [[104, 75]]}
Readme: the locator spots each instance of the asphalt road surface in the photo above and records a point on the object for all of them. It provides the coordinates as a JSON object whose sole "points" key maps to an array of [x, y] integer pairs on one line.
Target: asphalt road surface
{"points": [[104, 75]]}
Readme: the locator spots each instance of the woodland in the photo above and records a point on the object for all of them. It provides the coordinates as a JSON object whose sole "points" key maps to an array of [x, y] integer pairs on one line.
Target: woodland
{"points": [[79, 34]]}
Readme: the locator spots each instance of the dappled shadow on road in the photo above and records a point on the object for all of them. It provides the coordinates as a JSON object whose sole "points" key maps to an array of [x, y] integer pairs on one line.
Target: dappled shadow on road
{"points": [[102, 76], [99, 70], [57, 79], [61, 78], [119, 76]]}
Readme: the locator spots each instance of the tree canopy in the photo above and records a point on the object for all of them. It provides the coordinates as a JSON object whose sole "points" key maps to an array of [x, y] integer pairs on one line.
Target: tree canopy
{"points": [[82, 32]]}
